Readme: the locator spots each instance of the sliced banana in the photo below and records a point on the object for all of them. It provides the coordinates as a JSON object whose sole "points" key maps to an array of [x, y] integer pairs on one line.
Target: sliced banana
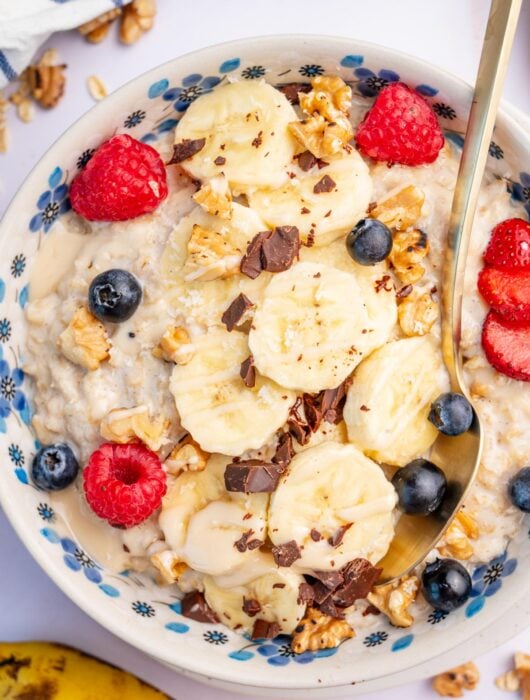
{"points": [[245, 127], [312, 328], [388, 403], [221, 413], [325, 216], [277, 593], [326, 488]]}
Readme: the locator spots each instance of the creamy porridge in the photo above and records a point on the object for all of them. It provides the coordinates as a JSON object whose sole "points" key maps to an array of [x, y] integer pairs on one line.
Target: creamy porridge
{"points": [[269, 368]]}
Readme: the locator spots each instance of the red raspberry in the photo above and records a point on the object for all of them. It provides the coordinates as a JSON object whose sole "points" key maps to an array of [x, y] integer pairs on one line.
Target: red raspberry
{"points": [[401, 128], [509, 246], [125, 178], [124, 484]]}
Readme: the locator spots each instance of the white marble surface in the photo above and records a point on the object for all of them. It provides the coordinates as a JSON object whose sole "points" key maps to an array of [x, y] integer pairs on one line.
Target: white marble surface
{"points": [[446, 33]]}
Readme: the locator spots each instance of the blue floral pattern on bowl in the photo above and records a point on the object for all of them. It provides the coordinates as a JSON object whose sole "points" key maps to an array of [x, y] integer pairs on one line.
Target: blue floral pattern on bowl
{"points": [[52, 203]]}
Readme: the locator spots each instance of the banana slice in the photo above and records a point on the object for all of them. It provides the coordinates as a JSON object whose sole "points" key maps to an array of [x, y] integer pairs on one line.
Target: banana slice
{"points": [[327, 488], [215, 406], [277, 594], [322, 216], [245, 127], [201, 522], [312, 328], [388, 403]]}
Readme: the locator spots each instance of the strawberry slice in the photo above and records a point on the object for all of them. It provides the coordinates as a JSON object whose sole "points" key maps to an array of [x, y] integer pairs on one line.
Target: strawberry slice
{"points": [[507, 346], [509, 246], [507, 292]]}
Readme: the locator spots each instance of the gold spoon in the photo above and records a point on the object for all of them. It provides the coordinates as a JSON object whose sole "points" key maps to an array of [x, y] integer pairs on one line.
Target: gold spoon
{"points": [[459, 456]]}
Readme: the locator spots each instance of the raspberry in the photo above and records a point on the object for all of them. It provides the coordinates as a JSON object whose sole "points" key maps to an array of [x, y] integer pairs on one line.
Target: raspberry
{"points": [[509, 245], [401, 128], [124, 484], [507, 346], [124, 179]]}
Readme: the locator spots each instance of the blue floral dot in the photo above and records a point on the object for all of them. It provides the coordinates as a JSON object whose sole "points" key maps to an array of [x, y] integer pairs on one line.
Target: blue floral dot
{"points": [[475, 606], [21, 474], [68, 545], [2, 290], [93, 575], [210, 82], [177, 627], [109, 590], [241, 655], [71, 562], [56, 177], [192, 79], [278, 660], [147, 138], [324, 653], [50, 535], [229, 65], [176, 607], [352, 60], [426, 90], [167, 125], [402, 642], [267, 649], [156, 89], [23, 296], [44, 199]]}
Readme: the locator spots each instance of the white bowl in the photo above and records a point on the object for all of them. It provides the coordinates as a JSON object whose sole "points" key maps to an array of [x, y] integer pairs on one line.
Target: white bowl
{"points": [[133, 607]]}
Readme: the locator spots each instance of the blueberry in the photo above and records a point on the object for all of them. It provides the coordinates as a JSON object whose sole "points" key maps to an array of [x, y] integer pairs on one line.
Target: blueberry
{"points": [[369, 242], [446, 584], [54, 467], [420, 487], [451, 414], [519, 489], [114, 295]]}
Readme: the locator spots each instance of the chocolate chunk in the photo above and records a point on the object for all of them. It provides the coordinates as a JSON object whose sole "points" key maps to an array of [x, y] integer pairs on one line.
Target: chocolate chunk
{"points": [[320, 593], [332, 402], [265, 630], [330, 579], [220, 160], [258, 140], [359, 578], [305, 594], [196, 608], [315, 535], [245, 542], [336, 538], [371, 610], [284, 450], [286, 554], [313, 416], [328, 607], [306, 161], [371, 206], [234, 313], [305, 210], [404, 291], [278, 585], [251, 263], [325, 184], [186, 149], [248, 372], [280, 249], [254, 544], [251, 606], [363, 407], [252, 476], [291, 90], [297, 425]]}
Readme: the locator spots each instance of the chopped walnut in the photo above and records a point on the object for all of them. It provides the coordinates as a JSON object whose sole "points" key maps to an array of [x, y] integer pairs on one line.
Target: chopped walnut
{"points": [[330, 97], [522, 669], [169, 566], [394, 600], [319, 631], [97, 29], [46, 82], [417, 314], [187, 456], [321, 138], [451, 683], [401, 210], [138, 18], [210, 256], [408, 250], [456, 540], [123, 425], [215, 197], [21, 98], [509, 681], [84, 341], [175, 346]]}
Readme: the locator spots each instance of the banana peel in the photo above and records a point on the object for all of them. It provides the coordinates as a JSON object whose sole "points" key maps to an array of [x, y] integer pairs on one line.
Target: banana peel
{"points": [[49, 671]]}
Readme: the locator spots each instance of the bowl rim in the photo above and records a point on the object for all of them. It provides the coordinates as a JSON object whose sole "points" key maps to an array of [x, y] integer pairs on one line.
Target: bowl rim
{"points": [[224, 672]]}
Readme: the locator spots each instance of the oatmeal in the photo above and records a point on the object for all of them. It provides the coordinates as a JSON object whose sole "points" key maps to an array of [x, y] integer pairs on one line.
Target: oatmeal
{"points": [[241, 352]]}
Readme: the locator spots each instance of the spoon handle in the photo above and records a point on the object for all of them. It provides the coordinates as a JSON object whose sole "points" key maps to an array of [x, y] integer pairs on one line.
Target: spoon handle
{"points": [[496, 50]]}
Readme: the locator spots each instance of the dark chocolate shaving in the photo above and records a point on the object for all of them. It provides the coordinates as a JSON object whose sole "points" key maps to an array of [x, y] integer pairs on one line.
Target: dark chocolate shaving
{"points": [[248, 372], [195, 607], [273, 251], [329, 579], [332, 402], [220, 160], [265, 630], [315, 535], [245, 542], [284, 450], [305, 594], [336, 538], [287, 553], [328, 607], [235, 312], [186, 149], [359, 578], [252, 476], [278, 585], [251, 263], [404, 291], [324, 185], [371, 610], [313, 416], [306, 161], [291, 90], [251, 606]]}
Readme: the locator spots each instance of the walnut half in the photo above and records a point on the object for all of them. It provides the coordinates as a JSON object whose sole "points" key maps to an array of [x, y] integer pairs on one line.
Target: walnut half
{"points": [[401, 210], [215, 197], [175, 346], [394, 600], [319, 631], [417, 314], [138, 17], [408, 250], [210, 256], [451, 683], [456, 541], [124, 425], [84, 341], [186, 456]]}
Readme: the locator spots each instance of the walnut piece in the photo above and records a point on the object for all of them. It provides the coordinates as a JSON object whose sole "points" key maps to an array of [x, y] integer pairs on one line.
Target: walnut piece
{"points": [[522, 669], [318, 631], [138, 18], [509, 681], [175, 346], [408, 250], [456, 541], [401, 210], [124, 425], [330, 97], [215, 197], [451, 683], [46, 83], [417, 314], [210, 256], [187, 456], [97, 29], [169, 566], [84, 341], [394, 600]]}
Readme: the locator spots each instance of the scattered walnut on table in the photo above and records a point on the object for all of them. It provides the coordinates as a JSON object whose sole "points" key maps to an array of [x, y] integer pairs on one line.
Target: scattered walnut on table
{"points": [[210, 256], [509, 681], [46, 83], [84, 341], [409, 248], [95, 30], [138, 17], [452, 683], [124, 425], [394, 600], [187, 456], [455, 543], [318, 631], [417, 314], [402, 210], [215, 197]]}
